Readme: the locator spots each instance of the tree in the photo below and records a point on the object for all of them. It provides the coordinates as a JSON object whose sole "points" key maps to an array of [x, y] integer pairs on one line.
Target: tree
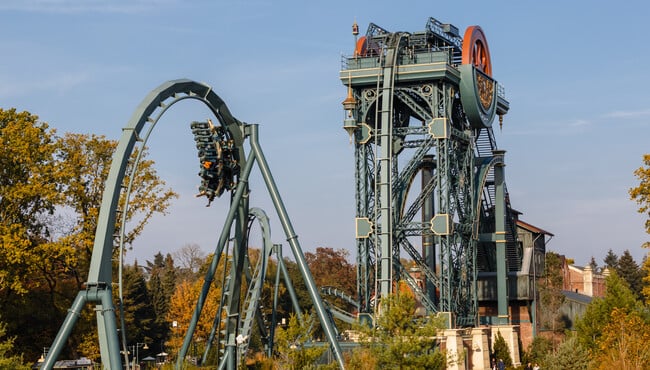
{"points": [[537, 350], [624, 342], [569, 355], [293, 351], [630, 271], [597, 316], [50, 193], [28, 193], [7, 359], [611, 260], [641, 193], [501, 351], [551, 297], [189, 258], [139, 314], [84, 162], [399, 340], [331, 268], [161, 285], [183, 303]]}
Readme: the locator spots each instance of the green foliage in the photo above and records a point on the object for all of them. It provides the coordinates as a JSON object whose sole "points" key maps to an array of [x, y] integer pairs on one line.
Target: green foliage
{"points": [[161, 286], [551, 297], [537, 350], [629, 270], [7, 359], [293, 344], [501, 351], [139, 314], [569, 355], [611, 260], [597, 315], [399, 341]]}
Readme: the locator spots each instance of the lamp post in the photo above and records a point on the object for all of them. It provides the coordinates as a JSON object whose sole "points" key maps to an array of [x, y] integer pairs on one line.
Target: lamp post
{"points": [[135, 348]]}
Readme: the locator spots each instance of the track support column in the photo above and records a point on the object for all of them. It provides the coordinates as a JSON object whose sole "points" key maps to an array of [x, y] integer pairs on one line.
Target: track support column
{"points": [[500, 231]]}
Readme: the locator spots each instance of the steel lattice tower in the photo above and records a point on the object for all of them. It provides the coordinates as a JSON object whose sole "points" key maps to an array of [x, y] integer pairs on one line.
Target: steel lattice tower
{"points": [[423, 103]]}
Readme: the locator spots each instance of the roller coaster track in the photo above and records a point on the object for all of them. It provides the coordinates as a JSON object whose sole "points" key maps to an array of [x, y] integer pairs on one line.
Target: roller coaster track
{"points": [[98, 288]]}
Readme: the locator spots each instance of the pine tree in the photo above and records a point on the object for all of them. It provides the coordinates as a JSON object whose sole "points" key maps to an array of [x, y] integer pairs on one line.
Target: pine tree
{"points": [[501, 351], [162, 283], [611, 260], [630, 271], [400, 341], [139, 314], [569, 355]]}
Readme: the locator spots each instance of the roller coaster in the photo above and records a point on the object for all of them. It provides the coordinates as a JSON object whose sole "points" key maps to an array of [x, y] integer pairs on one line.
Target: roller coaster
{"points": [[418, 104]]}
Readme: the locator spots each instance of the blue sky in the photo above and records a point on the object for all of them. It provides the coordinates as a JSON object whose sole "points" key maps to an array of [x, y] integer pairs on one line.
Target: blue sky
{"points": [[575, 74]]}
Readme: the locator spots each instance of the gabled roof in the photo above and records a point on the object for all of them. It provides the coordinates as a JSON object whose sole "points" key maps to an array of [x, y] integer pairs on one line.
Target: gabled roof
{"points": [[533, 229]]}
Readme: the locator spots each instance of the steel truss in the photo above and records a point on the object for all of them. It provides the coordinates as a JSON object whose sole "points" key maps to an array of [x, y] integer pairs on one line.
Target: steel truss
{"points": [[110, 234], [406, 118]]}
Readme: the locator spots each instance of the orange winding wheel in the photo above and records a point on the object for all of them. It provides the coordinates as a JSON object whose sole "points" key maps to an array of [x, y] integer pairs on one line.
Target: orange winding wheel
{"points": [[476, 51]]}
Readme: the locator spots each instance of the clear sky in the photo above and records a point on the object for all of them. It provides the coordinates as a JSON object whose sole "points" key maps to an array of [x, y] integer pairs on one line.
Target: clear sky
{"points": [[575, 73]]}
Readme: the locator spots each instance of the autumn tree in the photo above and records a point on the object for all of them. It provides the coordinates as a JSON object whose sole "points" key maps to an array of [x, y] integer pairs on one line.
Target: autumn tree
{"points": [[624, 342], [28, 194], [597, 316], [50, 192], [641, 194], [183, 303], [84, 162], [331, 268]]}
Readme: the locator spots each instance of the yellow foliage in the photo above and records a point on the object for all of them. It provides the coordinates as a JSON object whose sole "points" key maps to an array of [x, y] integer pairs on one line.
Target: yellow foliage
{"points": [[181, 309], [624, 343]]}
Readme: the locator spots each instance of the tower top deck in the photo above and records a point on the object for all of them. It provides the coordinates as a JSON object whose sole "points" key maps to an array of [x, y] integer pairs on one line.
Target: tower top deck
{"points": [[434, 54]]}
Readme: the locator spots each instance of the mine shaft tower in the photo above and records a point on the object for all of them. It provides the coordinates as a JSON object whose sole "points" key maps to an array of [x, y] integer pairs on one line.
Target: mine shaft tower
{"points": [[423, 103]]}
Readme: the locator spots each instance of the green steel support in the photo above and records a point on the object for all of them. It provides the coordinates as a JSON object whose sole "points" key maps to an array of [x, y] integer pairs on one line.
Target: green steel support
{"points": [[242, 188], [276, 287], [500, 231], [98, 288], [292, 238], [414, 107], [428, 247]]}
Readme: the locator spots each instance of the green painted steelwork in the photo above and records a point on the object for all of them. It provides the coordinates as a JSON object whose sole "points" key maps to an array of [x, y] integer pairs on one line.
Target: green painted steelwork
{"points": [[98, 288], [409, 113]]}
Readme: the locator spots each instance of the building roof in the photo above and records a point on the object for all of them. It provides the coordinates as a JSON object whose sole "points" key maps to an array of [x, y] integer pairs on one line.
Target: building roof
{"points": [[531, 228], [577, 297]]}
